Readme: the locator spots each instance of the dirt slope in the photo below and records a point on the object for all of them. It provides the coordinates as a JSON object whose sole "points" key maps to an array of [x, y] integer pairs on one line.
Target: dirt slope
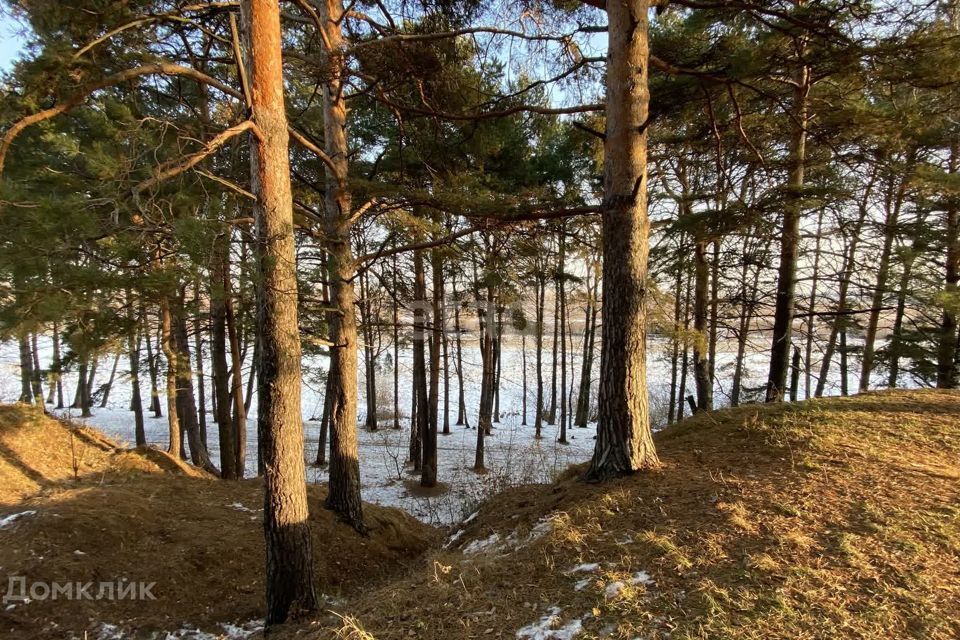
{"points": [[837, 518], [142, 516]]}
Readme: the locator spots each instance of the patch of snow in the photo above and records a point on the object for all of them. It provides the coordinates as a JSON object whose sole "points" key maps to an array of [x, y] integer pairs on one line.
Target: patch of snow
{"points": [[586, 567], [613, 589], [641, 577], [243, 631], [453, 539], [109, 632], [542, 528], [551, 627], [582, 584], [189, 634], [239, 507], [471, 517], [231, 631], [482, 545], [7, 522]]}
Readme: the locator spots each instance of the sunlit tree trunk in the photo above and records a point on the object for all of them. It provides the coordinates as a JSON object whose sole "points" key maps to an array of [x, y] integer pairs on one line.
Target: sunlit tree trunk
{"points": [[624, 439], [289, 578], [344, 488]]}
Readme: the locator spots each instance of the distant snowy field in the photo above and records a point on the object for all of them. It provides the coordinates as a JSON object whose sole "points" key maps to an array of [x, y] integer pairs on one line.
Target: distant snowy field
{"points": [[513, 456]]}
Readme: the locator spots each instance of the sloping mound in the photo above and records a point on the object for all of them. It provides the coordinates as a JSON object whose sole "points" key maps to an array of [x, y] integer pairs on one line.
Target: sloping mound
{"points": [[144, 517], [40, 454], [824, 519], [37, 452]]}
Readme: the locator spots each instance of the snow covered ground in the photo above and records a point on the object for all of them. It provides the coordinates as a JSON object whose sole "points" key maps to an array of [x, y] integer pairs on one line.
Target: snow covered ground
{"points": [[513, 456]]}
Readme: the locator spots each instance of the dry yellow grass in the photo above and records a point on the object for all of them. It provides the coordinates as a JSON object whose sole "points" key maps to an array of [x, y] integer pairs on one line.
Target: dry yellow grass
{"points": [[837, 518], [142, 516]]}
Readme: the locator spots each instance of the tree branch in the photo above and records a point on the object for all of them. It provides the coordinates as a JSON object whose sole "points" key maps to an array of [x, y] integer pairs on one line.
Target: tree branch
{"points": [[175, 168], [162, 68]]}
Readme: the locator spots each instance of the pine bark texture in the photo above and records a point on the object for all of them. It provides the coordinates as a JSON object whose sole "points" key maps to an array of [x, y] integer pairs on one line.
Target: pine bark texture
{"points": [[624, 439], [289, 555], [343, 497]]}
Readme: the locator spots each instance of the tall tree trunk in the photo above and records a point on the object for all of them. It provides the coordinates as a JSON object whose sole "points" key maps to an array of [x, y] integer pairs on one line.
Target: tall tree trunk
{"points": [[239, 416], [461, 392], [170, 353], [81, 379], [844, 366], [812, 307], [369, 360], [714, 312], [91, 376], [289, 578], [445, 342], [589, 343], [846, 274], [624, 439], [552, 415], [701, 347], [890, 231], [541, 294], [344, 494], [252, 376], [420, 426], [26, 369], [487, 315], [795, 375], [429, 396], [908, 258], [201, 382], [562, 292], [746, 320], [133, 349], [396, 348], [153, 365], [497, 350], [523, 378], [219, 272], [414, 449], [436, 337], [947, 353], [58, 364], [107, 387], [324, 421], [36, 383], [685, 356], [790, 235], [186, 401], [673, 410]]}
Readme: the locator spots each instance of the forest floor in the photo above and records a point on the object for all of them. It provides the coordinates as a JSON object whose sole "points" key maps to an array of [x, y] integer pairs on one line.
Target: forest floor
{"points": [[834, 518]]}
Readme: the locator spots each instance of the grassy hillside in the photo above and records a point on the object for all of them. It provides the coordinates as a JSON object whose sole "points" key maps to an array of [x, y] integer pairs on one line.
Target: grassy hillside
{"points": [[837, 518], [144, 517]]}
